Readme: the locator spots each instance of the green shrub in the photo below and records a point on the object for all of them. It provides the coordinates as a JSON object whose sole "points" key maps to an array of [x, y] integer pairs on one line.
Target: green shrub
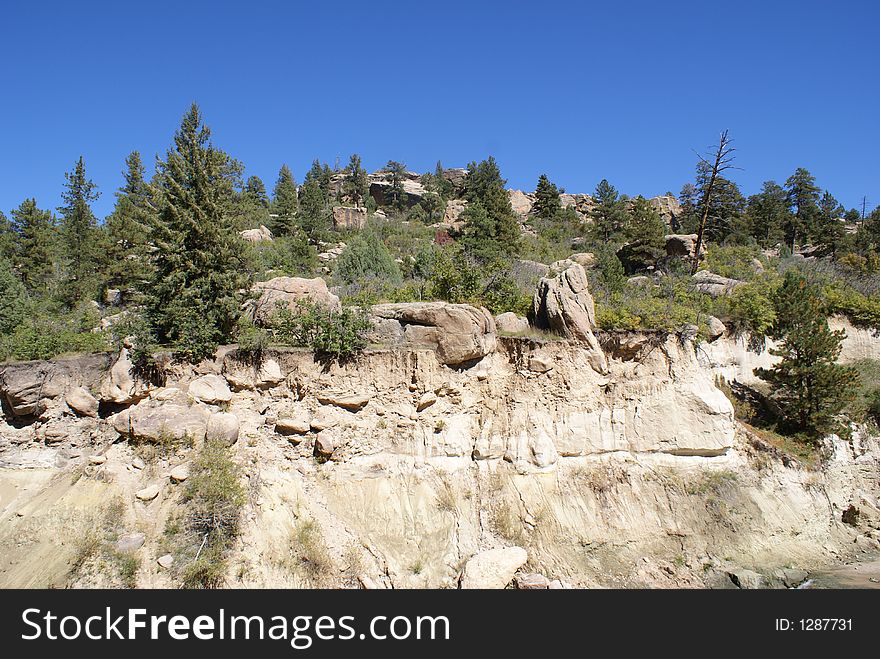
{"points": [[336, 333], [750, 308], [734, 261], [873, 405], [366, 256], [860, 309], [251, 340]]}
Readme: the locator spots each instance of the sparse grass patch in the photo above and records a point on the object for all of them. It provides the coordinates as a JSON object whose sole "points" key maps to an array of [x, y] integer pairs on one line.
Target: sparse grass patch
{"points": [[311, 557], [446, 499]]}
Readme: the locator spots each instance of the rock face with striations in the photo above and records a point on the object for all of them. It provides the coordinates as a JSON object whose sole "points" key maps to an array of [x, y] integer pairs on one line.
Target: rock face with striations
{"points": [[563, 304], [348, 217], [458, 333], [288, 291]]}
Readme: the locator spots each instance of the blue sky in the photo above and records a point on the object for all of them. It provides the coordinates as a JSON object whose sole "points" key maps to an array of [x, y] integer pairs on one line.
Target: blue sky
{"points": [[579, 90]]}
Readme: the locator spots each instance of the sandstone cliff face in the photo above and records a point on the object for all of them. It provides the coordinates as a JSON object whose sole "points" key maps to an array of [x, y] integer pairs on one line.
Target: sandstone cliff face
{"points": [[637, 475]]}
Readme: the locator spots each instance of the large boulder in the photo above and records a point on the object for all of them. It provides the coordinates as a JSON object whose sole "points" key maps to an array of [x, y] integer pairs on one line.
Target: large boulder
{"points": [[562, 304], [210, 389], [243, 375], [681, 245], [152, 421], [520, 202], [81, 401], [458, 333], [453, 212], [121, 386], [714, 285], [257, 235], [493, 568], [380, 188], [223, 427], [27, 387], [509, 323], [348, 217], [287, 291]]}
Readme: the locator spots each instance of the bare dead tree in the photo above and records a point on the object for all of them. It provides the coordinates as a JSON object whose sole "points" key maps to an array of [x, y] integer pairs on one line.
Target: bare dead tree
{"points": [[723, 160]]}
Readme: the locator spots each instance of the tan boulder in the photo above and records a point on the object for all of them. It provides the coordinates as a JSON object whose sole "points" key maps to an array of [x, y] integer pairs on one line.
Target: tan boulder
{"points": [[148, 493], [179, 474], [210, 389], [223, 427], [510, 323], [521, 202], [562, 303], [120, 386], [151, 422], [347, 217], [292, 426], [493, 568], [257, 235], [81, 401], [458, 333], [714, 285], [287, 291]]}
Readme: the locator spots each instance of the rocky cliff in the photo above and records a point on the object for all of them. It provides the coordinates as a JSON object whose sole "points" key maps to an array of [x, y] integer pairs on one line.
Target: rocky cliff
{"points": [[526, 464]]}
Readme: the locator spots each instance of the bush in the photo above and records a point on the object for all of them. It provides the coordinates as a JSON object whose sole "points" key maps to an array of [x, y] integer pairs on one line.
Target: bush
{"points": [[750, 308], [873, 405], [366, 256], [733, 261], [251, 340], [40, 338], [339, 334], [213, 498], [291, 255]]}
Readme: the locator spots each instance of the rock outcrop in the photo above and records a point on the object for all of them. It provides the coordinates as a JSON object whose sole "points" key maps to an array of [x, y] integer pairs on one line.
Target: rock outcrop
{"points": [[715, 285], [121, 386], [563, 304], [288, 291], [23, 385], [458, 333], [493, 568], [81, 402], [152, 421], [348, 218], [262, 234], [681, 245]]}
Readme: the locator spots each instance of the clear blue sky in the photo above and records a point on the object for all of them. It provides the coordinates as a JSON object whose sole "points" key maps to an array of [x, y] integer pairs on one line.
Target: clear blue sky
{"points": [[621, 90]]}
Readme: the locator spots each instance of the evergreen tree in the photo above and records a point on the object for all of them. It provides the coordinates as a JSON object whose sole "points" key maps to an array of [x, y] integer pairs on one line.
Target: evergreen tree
{"points": [[7, 238], [811, 388], [127, 229], [396, 195], [313, 212], [645, 233], [12, 299], [79, 231], [829, 231], [37, 245], [255, 191], [284, 203], [803, 196], [546, 198], [499, 232], [608, 213], [444, 186], [201, 262], [356, 186], [366, 257], [322, 175], [726, 206], [767, 214]]}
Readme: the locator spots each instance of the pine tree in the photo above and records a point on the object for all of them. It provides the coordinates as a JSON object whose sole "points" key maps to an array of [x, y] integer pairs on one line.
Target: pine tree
{"points": [[499, 233], [811, 388], [79, 231], [356, 186], [201, 262], [645, 233], [444, 186], [803, 196], [128, 228], [12, 299], [37, 245], [829, 231], [7, 238], [366, 257], [313, 212], [322, 175], [767, 214], [396, 195], [546, 198], [608, 213], [255, 191], [284, 203]]}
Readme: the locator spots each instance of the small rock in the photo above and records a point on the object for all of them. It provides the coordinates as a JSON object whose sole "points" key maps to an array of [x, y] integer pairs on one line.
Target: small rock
{"points": [[130, 542], [531, 582], [716, 328], [324, 445], [493, 568], [290, 426], [180, 473], [137, 463], [746, 579], [165, 561], [148, 493], [97, 459], [426, 400]]}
